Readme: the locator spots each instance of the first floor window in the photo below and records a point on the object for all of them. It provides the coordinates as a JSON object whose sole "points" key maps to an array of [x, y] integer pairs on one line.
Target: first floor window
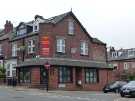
{"points": [[126, 66], [0, 49], [65, 74], [24, 75], [14, 49], [84, 48], [31, 46], [91, 76], [61, 45]]}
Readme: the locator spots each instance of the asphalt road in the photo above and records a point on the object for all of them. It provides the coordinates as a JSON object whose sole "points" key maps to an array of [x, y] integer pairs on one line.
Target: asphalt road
{"points": [[21, 94]]}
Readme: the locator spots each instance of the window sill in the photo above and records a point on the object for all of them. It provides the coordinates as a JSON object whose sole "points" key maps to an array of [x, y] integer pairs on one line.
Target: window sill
{"points": [[71, 34], [83, 55]]}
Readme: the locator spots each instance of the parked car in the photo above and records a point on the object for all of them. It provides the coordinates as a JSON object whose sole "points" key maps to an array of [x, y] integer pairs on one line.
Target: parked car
{"points": [[114, 86], [128, 89]]}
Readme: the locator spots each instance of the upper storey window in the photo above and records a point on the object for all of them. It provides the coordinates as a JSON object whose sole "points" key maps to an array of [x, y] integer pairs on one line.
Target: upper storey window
{"points": [[71, 27], [0, 49], [31, 46], [61, 45], [36, 24], [35, 27], [14, 49], [84, 48]]}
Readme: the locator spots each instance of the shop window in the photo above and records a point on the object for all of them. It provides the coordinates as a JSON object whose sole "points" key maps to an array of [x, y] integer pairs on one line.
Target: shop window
{"points": [[91, 76], [25, 75], [65, 74]]}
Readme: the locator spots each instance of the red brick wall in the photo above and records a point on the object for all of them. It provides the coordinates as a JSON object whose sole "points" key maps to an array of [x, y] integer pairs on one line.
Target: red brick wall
{"points": [[5, 48], [99, 52], [35, 76], [72, 41]]}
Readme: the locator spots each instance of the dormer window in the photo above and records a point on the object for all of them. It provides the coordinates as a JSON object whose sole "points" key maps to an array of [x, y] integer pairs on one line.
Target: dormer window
{"points": [[21, 29], [35, 28], [71, 29], [114, 54]]}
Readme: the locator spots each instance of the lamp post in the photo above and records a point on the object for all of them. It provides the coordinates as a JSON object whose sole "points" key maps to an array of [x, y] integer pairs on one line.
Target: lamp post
{"points": [[47, 67]]}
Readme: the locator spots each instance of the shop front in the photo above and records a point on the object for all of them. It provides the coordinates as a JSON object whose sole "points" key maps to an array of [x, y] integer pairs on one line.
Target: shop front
{"points": [[62, 74]]}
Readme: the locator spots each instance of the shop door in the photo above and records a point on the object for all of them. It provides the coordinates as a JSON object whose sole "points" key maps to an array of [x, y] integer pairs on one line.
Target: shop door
{"points": [[79, 76], [43, 76]]}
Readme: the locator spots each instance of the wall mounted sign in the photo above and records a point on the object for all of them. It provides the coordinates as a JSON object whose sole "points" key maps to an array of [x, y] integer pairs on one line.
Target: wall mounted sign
{"points": [[45, 45]]}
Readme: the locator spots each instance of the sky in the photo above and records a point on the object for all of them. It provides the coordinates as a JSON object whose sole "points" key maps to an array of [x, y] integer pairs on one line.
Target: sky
{"points": [[111, 21]]}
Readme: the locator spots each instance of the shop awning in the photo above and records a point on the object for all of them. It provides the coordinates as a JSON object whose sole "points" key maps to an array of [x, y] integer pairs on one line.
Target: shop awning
{"points": [[63, 62]]}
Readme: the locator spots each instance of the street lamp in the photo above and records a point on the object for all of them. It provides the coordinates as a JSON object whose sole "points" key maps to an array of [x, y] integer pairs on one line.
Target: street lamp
{"points": [[47, 67]]}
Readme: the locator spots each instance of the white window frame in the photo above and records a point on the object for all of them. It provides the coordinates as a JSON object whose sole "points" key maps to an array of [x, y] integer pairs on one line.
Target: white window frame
{"points": [[60, 45], [14, 49], [31, 46], [126, 66], [71, 27], [84, 48], [37, 27], [0, 49]]}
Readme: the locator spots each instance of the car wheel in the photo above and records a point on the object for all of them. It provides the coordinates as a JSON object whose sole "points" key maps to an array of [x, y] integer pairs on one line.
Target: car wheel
{"points": [[122, 95], [105, 91]]}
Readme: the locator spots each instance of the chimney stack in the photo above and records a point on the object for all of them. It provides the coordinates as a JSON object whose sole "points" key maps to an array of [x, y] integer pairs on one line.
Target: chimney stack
{"points": [[8, 27]]}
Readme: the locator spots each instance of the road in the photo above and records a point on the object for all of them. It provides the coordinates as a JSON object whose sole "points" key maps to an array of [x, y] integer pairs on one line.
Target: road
{"points": [[21, 94]]}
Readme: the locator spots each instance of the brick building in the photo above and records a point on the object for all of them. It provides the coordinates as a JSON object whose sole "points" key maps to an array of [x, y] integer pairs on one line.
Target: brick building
{"points": [[60, 51], [123, 62]]}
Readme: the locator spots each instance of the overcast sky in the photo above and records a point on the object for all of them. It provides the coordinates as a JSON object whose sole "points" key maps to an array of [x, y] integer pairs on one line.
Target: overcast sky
{"points": [[112, 21]]}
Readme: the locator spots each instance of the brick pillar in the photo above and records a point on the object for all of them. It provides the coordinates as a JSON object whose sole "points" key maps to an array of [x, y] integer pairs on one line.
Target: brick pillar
{"points": [[74, 76], [35, 76], [83, 77]]}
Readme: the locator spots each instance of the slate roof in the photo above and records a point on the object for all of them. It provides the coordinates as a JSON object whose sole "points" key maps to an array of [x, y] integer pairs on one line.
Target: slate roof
{"points": [[95, 40], [63, 62]]}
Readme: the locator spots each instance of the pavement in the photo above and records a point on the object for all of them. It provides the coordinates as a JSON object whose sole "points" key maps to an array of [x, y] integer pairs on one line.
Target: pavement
{"points": [[26, 94]]}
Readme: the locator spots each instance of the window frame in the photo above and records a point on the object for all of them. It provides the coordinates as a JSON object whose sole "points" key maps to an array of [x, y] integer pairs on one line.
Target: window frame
{"points": [[60, 45], [24, 71], [1, 49], [14, 49], [84, 48], [65, 77], [31, 46], [71, 27], [92, 77]]}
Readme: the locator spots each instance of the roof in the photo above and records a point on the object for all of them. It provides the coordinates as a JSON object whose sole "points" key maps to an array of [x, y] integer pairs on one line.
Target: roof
{"points": [[63, 62], [122, 54], [95, 40], [58, 18]]}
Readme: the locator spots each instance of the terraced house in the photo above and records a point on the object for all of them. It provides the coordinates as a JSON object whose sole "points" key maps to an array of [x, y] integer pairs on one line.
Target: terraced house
{"points": [[123, 62], [60, 51]]}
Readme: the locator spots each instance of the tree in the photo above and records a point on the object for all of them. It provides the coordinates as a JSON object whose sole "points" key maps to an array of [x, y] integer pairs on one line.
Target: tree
{"points": [[2, 72]]}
